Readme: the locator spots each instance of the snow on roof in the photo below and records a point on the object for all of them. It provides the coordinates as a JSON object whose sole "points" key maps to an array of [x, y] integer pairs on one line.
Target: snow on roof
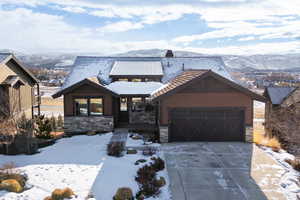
{"points": [[85, 67], [277, 94], [132, 88], [174, 66], [137, 68], [3, 56]]}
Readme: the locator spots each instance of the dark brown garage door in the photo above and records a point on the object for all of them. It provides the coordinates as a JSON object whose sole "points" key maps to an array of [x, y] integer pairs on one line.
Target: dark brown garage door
{"points": [[207, 124]]}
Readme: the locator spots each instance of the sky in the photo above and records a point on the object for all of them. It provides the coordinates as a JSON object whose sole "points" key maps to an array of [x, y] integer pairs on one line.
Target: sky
{"points": [[241, 27]]}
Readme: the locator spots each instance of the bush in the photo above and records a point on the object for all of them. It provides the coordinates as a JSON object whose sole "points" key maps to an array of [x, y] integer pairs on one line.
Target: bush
{"points": [[123, 194], [44, 128], [8, 171], [60, 194], [158, 164], [115, 149], [149, 151], [294, 163], [145, 174], [11, 185], [146, 178], [140, 161], [60, 122], [160, 182]]}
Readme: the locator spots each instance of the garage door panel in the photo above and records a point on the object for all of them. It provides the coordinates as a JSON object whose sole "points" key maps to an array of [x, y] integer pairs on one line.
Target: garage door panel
{"points": [[198, 124]]}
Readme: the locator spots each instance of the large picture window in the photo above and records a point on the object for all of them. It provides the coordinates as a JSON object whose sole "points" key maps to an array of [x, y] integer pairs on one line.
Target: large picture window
{"points": [[88, 106]]}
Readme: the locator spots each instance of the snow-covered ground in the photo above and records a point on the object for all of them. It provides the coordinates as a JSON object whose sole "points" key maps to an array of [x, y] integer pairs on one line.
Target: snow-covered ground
{"points": [[81, 163], [290, 181]]}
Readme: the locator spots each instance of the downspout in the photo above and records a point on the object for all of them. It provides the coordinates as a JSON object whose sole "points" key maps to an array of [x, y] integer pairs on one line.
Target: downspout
{"points": [[39, 100]]}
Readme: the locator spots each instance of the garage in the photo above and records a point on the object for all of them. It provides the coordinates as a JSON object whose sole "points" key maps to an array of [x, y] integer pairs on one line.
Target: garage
{"points": [[206, 124]]}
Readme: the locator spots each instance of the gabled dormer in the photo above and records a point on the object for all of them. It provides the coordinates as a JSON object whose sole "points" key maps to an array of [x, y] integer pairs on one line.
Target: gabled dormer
{"points": [[137, 71]]}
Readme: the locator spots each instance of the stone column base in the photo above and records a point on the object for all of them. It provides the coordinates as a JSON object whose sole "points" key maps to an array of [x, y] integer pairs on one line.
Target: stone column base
{"points": [[249, 134], [164, 134]]}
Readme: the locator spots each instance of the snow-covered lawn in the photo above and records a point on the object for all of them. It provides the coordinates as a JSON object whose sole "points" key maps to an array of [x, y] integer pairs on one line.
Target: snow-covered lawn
{"points": [[291, 178], [81, 163]]}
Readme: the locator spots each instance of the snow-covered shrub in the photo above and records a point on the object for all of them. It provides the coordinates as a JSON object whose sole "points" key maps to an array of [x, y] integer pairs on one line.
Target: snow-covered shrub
{"points": [[158, 164], [115, 149], [149, 151], [161, 182], [123, 194], [11, 185], [146, 178], [294, 163]]}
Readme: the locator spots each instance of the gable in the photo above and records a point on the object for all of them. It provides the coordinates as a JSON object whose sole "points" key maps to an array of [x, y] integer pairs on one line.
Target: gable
{"points": [[87, 89], [208, 84], [214, 81], [13, 68]]}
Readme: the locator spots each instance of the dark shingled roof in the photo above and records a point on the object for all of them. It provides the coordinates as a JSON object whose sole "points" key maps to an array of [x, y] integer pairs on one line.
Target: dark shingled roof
{"points": [[278, 94], [12, 80]]}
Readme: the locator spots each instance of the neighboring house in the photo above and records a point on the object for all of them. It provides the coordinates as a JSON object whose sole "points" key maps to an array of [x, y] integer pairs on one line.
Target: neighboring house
{"points": [[184, 98], [282, 115], [18, 88]]}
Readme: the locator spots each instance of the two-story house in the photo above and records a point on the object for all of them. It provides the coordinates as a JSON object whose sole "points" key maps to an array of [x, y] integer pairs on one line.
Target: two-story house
{"points": [[184, 98]]}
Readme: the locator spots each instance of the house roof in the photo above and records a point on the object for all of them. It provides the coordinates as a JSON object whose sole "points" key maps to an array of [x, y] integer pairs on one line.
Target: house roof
{"points": [[5, 57], [12, 80], [181, 79], [188, 77], [93, 81], [278, 94], [85, 67], [133, 68], [134, 88]]}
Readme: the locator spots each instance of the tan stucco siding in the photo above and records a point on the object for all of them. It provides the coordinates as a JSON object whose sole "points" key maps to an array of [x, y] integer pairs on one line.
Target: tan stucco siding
{"points": [[84, 91], [206, 99]]}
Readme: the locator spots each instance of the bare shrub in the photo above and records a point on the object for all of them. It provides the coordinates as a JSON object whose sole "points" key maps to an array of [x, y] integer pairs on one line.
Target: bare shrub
{"points": [[115, 149], [123, 194]]}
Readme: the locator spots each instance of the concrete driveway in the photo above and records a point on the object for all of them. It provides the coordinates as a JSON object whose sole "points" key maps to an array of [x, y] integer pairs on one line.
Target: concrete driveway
{"points": [[222, 171]]}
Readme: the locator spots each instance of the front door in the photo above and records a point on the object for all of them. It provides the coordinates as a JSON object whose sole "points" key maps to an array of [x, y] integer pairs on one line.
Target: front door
{"points": [[123, 110]]}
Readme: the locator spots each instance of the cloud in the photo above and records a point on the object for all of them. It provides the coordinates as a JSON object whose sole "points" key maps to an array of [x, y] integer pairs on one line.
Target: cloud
{"points": [[120, 26], [74, 9]]}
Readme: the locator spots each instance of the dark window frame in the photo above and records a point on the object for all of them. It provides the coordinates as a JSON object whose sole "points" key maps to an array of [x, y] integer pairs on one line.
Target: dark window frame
{"points": [[88, 106]]}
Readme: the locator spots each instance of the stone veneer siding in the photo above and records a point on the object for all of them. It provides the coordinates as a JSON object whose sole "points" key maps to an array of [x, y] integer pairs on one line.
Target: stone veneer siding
{"points": [[141, 117], [76, 124], [164, 134]]}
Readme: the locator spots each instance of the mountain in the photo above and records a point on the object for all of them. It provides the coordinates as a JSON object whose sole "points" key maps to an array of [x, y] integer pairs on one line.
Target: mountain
{"points": [[289, 62]]}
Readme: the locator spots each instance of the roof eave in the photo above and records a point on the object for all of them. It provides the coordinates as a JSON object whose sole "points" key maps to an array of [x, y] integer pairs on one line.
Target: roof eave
{"points": [[74, 86]]}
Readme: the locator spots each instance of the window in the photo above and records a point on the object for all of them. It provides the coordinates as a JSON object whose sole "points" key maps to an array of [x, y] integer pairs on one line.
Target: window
{"points": [[81, 107], [135, 103], [123, 104], [123, 79], [136, 80], [148, 79], [88, 106], [96, 106]]}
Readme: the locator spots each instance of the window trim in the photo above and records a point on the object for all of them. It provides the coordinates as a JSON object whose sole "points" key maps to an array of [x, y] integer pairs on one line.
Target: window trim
{"points": [[88, 105]]}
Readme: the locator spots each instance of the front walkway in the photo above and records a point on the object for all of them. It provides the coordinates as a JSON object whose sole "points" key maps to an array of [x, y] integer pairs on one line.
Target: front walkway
{"points": [[222, 171]]}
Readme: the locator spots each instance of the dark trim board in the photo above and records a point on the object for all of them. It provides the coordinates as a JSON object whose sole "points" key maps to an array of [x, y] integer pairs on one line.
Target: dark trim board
{"points": [[237, 133]]}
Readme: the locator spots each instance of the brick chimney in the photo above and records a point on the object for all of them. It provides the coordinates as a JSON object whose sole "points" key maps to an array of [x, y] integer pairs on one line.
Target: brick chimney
{"points": [[169, 54]]}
